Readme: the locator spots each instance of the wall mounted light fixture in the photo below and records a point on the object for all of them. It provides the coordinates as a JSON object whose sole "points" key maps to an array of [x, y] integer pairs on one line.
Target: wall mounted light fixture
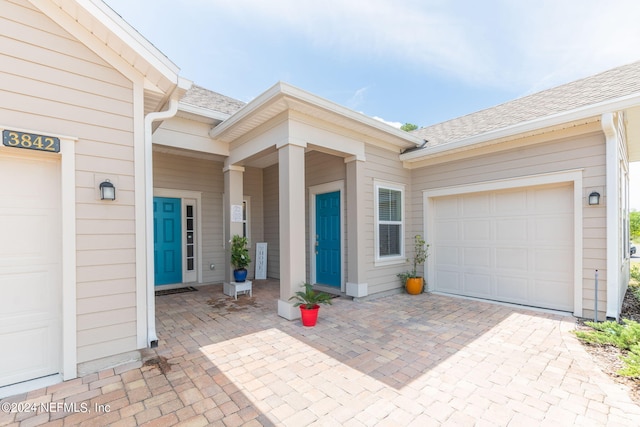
{"points": [[594, 198], [107, 190]]}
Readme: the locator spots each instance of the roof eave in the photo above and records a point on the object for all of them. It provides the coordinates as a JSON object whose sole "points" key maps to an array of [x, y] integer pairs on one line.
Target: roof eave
{"points": [[284, 90], [125, 32]]}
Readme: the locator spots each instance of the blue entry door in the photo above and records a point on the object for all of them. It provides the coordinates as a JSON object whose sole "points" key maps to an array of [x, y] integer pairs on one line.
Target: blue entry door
{"points": [[167, 232], [328, 256]]}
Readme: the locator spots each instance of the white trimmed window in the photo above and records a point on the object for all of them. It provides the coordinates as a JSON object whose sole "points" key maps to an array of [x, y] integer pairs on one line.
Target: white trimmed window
{"points": [[246, 215], [389, 217]]}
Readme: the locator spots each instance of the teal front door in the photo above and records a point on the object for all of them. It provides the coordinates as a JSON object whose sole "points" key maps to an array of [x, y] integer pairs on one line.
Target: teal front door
{"points": [[328, 256], [167, 240]]}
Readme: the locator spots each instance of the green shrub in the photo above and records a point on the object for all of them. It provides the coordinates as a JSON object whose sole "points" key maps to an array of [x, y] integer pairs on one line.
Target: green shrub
{"points": [[624, 335], [635, 272], [612, 333], [632, 362]]}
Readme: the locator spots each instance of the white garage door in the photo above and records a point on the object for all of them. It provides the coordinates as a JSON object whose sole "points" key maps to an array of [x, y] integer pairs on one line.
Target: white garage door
{"points": [[30, 267], [513, 245]]}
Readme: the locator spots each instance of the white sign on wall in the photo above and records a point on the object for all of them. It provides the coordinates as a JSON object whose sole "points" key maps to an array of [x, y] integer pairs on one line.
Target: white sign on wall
{"points": [[261, 261], [236, 213]]}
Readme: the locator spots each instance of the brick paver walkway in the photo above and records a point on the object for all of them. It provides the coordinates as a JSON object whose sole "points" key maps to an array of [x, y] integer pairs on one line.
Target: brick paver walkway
{"points": [[402, 360]]}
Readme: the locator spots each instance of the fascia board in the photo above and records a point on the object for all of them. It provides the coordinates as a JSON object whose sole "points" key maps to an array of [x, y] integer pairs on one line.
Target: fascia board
{"points": [[121, 29], [529, 126]]}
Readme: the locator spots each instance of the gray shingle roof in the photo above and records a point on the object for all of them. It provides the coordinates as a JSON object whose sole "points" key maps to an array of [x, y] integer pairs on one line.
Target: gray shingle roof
{"points": [[615, 83], [205, 98]]}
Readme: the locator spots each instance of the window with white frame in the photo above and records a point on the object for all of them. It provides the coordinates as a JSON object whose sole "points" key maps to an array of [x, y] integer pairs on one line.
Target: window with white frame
{"points": [[246, 215], [389, 217]]}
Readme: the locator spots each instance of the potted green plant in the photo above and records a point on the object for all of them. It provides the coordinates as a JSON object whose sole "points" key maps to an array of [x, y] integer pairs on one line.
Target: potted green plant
{"points": [[239, 258], [413, 283], [309, 302]]}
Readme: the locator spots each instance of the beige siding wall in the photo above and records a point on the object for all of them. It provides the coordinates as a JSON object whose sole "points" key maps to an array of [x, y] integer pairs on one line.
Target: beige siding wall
{"points": [[271, 220], [385, 166], [52, 84], [585, 151], [193, 174]]}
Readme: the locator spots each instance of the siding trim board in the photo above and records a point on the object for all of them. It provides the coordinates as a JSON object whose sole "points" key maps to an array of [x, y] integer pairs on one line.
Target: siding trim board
{"points": [[570, 176]]}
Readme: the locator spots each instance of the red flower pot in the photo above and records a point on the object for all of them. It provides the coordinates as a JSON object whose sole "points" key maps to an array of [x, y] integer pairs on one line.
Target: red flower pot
{"points": [[309, 315]]}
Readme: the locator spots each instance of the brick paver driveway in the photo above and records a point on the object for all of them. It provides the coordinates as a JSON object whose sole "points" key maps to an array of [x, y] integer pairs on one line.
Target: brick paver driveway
{"points": [[396, 361]]}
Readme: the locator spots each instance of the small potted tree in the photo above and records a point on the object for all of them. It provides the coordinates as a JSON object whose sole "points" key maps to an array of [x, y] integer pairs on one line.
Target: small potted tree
{"points": [[413, 283], [239, 258], [309, 302]]}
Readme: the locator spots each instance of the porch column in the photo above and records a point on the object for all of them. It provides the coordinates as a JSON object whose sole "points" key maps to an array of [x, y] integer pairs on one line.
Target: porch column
{"points": [[356, 277], [292, 227], [233, 195]]}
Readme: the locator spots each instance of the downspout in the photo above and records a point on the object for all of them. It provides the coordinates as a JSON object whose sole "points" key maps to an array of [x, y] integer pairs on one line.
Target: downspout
{"points": [[612, 216], [152, 337]]}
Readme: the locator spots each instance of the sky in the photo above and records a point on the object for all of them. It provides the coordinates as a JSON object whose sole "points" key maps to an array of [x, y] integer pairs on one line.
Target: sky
{"points": [[415, 61]]}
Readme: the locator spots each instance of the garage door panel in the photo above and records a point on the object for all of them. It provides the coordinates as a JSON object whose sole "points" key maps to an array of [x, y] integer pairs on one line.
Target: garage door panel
{"points": [[477, 284], [35, 340], [448, 256], [513, 259], [552, 200], [512, 229], [519, 250], [22, 294], [553, 262], [512, 288], [448, 208], [476, 205], [553, 294], [511, 202], [21, 228], [447, 230], [477, 257], [476, 230], [448, 280], [548, 228]]}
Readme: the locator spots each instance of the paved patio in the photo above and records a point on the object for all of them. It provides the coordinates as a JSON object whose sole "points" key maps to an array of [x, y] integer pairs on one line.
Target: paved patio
{"points": [[402, 360]]}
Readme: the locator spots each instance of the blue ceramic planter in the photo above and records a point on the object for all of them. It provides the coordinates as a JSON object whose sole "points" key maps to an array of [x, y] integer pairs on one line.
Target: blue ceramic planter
{"points": [[240, 275]]}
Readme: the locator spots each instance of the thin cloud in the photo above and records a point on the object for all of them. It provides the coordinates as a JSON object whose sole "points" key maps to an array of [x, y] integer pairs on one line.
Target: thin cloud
{"points": [[357, 98], [497, 42]]}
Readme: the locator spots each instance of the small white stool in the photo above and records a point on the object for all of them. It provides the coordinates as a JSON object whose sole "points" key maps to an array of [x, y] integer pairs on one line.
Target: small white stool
{"points": [[241, 287]]}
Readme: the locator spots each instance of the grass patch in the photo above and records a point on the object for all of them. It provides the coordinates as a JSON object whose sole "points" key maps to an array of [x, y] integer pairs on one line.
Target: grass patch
{"points": [[625, 335], [635, 276]]}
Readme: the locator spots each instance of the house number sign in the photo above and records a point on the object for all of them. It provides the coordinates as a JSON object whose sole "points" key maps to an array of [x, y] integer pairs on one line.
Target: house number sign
{"points": [[30, 141]]}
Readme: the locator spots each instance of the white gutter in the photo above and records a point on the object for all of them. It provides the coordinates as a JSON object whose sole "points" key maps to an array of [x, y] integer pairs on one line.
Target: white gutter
{"points": [[152, 337], [612, 213], [592, 110], [204, 112]]}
